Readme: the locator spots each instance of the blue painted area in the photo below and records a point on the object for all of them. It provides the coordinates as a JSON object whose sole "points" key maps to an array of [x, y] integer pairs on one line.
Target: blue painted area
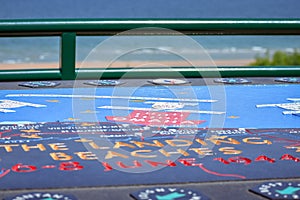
{"points": [[239, 103]]}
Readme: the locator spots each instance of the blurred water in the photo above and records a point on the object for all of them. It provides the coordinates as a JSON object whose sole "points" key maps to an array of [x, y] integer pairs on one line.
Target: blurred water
{"points": [[46, 49], [16, 50], [218, 47]]}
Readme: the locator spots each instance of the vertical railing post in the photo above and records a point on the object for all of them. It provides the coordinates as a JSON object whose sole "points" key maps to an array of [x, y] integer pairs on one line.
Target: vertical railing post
{"points": [[68, 55]]}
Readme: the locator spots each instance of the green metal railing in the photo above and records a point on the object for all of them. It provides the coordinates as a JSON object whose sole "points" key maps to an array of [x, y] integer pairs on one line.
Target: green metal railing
{"points": [[69, 29]]}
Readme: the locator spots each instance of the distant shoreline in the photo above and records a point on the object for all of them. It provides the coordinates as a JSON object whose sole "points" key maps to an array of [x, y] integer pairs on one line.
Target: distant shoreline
{"points": [[127, 64]]}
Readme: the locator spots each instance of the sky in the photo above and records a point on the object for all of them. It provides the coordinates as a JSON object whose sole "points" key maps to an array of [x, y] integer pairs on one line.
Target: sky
{"points": [[49, 9]]}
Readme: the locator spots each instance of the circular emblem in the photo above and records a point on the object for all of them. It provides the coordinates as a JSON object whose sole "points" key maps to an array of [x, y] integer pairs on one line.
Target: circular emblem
{"points": [[278, 190], [168, 193], [39, 84], [103, 82], [232, 80], [288, 80], [162, 81], [42, 196]]}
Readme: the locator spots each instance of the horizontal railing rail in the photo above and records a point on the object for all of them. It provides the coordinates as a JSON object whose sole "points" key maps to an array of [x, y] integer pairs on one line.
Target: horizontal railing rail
{"points": [[103, 25], [69, 29]]}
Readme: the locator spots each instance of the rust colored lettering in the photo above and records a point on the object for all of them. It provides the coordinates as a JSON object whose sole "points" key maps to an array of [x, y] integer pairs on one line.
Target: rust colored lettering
{"points": [[136, 164], [289, 157], [240, 159], [168, 163], [222, 160], [70, 166], [265, 158], [23, 168]]}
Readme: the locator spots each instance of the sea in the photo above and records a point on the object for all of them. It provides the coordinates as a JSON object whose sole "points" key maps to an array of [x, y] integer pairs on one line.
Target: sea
{"points": [[17, 50], [46, 49]]}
